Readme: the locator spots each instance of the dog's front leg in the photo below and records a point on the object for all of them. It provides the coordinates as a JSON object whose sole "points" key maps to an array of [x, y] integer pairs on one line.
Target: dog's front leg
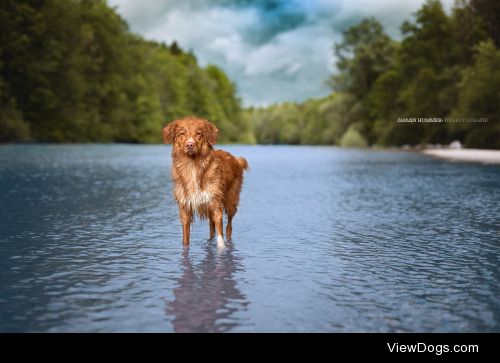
{"points": [[217, 218], [186, 218]]}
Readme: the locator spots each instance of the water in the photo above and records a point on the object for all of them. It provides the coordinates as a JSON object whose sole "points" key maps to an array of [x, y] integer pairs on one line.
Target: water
{"points": [[326, 240]]}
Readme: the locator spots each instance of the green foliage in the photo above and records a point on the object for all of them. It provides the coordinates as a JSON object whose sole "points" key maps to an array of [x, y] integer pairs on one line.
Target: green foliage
{"points": [[12, 124], [353, 138], [321, 121], [72, 72], [479, 97], [365, 53], [488, 11], [479, 89], [445, 66]]}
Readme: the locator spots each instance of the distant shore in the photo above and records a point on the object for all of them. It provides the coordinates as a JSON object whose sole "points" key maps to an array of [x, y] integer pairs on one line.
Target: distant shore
{"points": [[466, 155]]}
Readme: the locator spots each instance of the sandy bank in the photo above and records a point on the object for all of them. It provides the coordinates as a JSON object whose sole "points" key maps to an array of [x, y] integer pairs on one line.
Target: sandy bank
{"points": [[466, 155]]}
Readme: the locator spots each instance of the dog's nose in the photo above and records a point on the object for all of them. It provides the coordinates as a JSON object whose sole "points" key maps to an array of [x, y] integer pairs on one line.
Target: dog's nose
{"points": [[190, 144]]}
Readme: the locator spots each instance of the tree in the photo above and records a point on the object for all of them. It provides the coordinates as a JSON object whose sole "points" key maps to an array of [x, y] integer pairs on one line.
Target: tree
{"points": [[421, 82], [363, 55], [479, 97], [12, 124], [489, 12]]}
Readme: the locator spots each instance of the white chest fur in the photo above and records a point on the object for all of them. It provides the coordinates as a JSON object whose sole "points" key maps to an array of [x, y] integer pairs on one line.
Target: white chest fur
{"points": [[192, 195], [198, 199]]}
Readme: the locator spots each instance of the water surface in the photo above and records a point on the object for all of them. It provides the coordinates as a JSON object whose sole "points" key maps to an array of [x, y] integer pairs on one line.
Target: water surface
{"points": [[326, 240]]}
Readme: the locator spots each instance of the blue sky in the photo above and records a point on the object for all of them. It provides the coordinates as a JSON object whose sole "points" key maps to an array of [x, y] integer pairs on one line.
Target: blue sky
{"points": [[273, 50]]}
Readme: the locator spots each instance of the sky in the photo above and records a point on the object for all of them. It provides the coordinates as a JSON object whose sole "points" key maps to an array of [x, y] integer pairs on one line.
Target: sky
{"points": [[273, 50]]}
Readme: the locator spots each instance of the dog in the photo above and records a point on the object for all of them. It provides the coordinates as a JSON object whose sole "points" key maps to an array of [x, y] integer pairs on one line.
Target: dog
{"points": [[207, 182]]}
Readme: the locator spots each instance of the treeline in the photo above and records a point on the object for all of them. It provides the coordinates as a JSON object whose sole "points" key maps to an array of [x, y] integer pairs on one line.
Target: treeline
{"points": [[446, 66], [71, 71]]}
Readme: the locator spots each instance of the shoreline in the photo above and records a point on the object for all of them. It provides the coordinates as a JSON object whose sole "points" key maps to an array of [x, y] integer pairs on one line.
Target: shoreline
{"points": [[482, 156]]}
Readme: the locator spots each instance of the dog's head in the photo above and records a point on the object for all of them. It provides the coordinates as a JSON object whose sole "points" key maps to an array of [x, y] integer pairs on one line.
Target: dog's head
{"points": [[190, 136]]}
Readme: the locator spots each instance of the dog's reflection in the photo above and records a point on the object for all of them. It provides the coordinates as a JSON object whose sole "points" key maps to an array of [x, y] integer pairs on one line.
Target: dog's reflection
{"points": [[206, 295]]}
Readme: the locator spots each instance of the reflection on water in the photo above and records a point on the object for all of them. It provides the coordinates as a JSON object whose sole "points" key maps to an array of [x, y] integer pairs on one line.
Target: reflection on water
{"points": [[206, 294], [327, 240]]}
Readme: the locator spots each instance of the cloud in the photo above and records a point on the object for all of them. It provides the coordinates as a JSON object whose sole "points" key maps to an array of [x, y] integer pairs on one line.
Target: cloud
{"points": [[275, 50], [200, 29]]}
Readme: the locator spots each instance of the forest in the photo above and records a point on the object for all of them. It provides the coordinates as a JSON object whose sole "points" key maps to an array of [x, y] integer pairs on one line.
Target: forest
{"points": [[72, 71]]}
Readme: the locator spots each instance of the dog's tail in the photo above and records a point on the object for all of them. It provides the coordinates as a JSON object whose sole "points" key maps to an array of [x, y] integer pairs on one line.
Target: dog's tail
{"points": [[243, 162]]}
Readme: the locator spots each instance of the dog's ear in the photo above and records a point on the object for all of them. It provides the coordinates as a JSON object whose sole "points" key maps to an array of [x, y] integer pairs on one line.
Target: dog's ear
{"points": [[211, 132], [169, 132]]}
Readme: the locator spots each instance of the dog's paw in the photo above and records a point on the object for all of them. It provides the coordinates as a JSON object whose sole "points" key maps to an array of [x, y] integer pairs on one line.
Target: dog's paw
{"points": [[220, 242]]}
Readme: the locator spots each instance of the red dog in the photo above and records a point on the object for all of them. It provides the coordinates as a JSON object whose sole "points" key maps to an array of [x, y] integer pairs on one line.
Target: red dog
{"points": [[206, 181]]}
